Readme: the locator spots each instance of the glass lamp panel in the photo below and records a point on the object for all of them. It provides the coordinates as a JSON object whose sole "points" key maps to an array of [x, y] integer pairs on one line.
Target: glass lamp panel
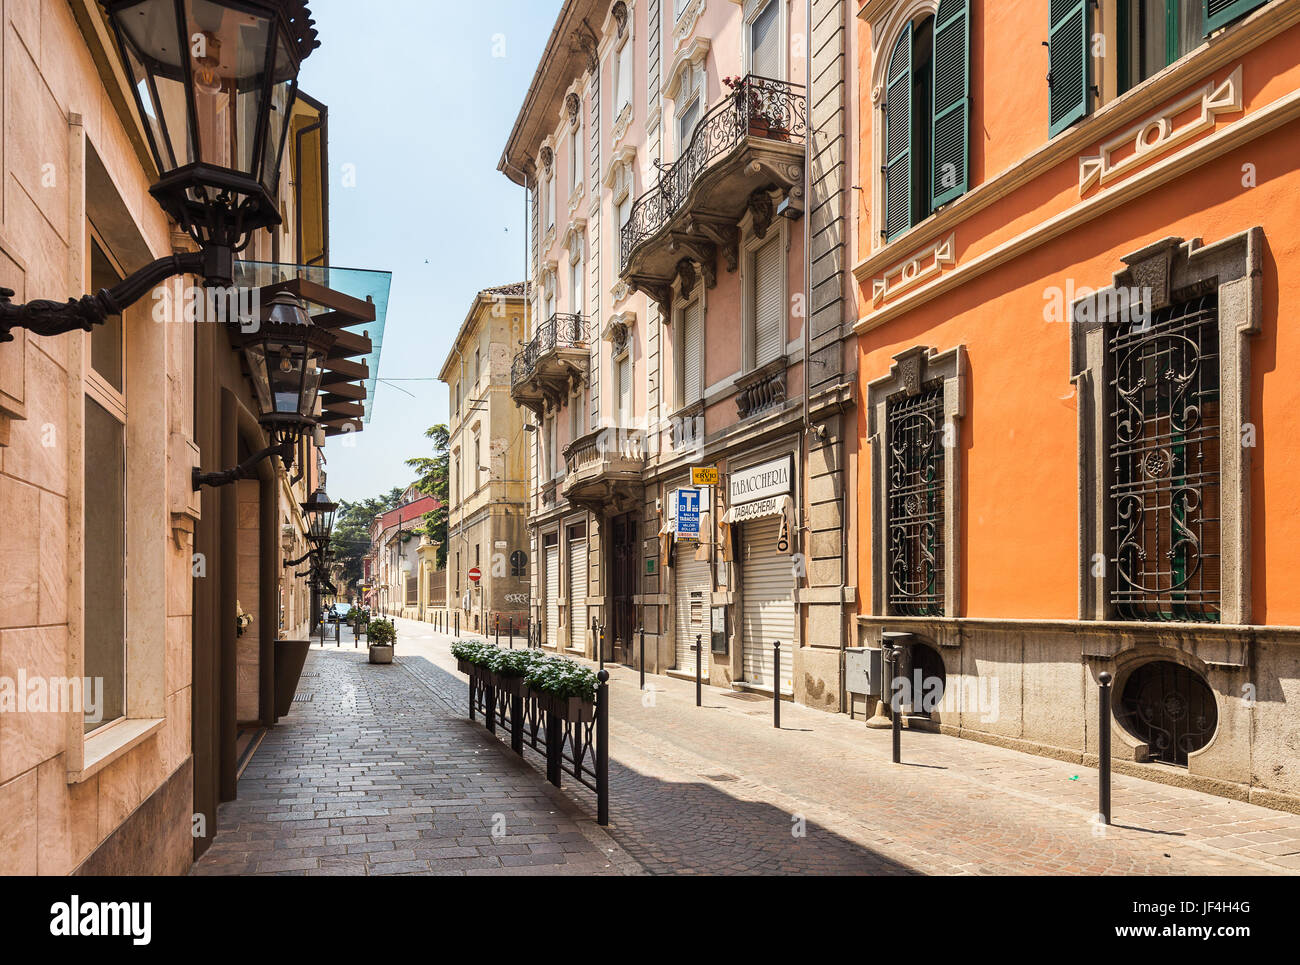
{"points": [[282, 95], [227, 51], [154, 49], [257, 354]]}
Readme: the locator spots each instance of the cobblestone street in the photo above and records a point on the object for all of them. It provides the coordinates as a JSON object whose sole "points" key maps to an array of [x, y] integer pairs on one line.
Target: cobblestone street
{"points": [[380, 772], [716, 790], [376, 775]]}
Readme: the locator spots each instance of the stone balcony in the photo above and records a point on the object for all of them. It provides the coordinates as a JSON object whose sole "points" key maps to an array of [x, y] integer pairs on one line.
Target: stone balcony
{"points": [[746, 151], [553, 364], [604, 470]]}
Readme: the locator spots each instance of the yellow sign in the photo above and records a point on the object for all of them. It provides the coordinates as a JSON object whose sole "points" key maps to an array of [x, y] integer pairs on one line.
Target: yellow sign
{"points": [[704, 475]]}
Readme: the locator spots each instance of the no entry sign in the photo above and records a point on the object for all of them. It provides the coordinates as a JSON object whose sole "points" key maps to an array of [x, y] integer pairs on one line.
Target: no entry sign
{"points": [[475, 574]]}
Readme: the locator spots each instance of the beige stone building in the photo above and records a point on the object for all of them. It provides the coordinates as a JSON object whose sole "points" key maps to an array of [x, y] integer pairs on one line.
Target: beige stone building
{"points": [[127, 686], [488, 466]]}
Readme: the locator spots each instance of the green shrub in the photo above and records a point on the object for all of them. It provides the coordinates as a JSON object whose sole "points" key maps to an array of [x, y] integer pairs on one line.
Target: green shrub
{"points": [[381, 632]]}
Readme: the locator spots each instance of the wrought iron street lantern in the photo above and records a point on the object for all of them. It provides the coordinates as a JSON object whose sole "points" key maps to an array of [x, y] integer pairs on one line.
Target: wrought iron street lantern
{"points": [[215, 82], [286, 359], [321, 512]]}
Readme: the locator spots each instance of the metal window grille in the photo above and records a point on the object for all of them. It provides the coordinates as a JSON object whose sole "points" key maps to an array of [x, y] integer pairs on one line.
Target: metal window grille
{"points": [[915, 474], [1164, 463]]}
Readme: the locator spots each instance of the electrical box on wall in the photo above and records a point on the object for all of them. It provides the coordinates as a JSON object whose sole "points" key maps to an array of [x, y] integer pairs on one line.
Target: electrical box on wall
{"points": [[719, 630]]}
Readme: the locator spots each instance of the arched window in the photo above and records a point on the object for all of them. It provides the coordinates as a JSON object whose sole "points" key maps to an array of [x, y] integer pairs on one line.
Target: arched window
{"points": [[927, 117]]}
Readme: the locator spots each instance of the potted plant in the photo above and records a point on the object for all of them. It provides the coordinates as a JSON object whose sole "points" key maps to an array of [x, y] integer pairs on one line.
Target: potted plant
{"points": [[242, 620], [383, 637], [569, 687]]}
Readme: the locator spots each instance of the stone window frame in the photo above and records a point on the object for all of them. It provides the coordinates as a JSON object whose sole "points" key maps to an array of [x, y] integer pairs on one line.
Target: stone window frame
{"points": [[1173, 269], [911, 370]]}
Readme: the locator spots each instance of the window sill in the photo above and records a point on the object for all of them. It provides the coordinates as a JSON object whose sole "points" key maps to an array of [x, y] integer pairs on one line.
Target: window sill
{"points": [[107, 744]]}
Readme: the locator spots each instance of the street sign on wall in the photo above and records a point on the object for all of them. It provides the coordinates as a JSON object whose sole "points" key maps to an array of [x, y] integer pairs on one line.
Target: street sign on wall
{"points": [[475, 574], [704, 475], [688, 513]]}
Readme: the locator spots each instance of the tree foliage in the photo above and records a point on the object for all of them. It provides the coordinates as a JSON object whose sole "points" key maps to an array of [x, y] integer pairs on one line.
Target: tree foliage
{"points": [[351, 538]]}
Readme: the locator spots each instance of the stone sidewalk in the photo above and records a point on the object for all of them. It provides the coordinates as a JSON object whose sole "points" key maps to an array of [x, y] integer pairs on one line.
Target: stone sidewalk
{"points": [[374, 774], [716, 789]]}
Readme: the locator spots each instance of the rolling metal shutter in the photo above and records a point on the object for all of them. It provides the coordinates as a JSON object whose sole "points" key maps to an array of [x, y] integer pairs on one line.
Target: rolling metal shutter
{"points": [[769, 340], [767, 585], [578, 593], [691, 585], [552, 636], [692, 339]]}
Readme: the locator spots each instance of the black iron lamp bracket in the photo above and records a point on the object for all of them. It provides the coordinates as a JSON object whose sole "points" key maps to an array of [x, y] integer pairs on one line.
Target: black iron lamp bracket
{"points": [[248, 468], [49, 317]]}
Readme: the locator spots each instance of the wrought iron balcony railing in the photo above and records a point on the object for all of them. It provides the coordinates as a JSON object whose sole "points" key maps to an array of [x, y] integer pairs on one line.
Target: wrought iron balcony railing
{"points": [[558, 331], [755, 107]]}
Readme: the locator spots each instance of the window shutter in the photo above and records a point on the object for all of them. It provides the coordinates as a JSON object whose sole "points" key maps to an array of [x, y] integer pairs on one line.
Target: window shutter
{"points": [[623, 82], [898, 138], [625, 391], [950, 156], [1068, 66], [691, 347], [767, 303], [765, 50], [1221, 12]]}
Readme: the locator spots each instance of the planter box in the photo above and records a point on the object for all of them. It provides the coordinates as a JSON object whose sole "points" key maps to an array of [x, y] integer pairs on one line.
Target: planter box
{"points": [[290, 656], [514, 686], [381, 653], [465, 667], [573, 709]]}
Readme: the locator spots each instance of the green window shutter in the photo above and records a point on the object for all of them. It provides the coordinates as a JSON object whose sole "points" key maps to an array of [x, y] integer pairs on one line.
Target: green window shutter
{"points": [[1067, 64], [950, 131], [1221, 12], [898, 138]]}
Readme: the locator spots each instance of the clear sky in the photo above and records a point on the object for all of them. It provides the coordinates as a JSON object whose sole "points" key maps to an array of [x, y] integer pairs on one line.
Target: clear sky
{"points": [[421, 105]]}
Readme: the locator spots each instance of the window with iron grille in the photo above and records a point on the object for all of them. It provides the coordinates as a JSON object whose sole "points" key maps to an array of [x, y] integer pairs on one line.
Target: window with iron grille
{"points": [[1164, 463], [915, 481]]}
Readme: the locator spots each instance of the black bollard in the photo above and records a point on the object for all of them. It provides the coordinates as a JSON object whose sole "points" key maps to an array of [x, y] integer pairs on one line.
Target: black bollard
{"points": [[643, 656], [776, 684], [699, 654], [1104, 680], [498, 630], [895, 708]]}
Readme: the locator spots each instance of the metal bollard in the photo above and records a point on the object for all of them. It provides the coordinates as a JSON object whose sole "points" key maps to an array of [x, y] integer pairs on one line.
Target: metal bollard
{"points": [[895, 708], [498, 628], [642, 631], [512, 633], [1104, 680], [338, 630], [598, 630], [699, 655], [776, 684], [602, 749]]}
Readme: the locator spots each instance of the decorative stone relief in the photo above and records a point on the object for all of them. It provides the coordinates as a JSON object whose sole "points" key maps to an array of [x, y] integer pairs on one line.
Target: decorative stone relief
{"points": [[1161, 132], [919, 268]]}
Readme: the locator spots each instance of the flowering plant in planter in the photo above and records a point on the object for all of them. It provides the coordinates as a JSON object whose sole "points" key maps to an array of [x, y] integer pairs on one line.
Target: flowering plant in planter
{"points": [[765, 120], [471, 653], [242, 620], [562, 678]]}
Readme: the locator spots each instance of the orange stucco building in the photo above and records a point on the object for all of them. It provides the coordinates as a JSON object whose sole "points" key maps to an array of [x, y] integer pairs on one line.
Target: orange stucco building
{"points": [[1076, 256]]}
